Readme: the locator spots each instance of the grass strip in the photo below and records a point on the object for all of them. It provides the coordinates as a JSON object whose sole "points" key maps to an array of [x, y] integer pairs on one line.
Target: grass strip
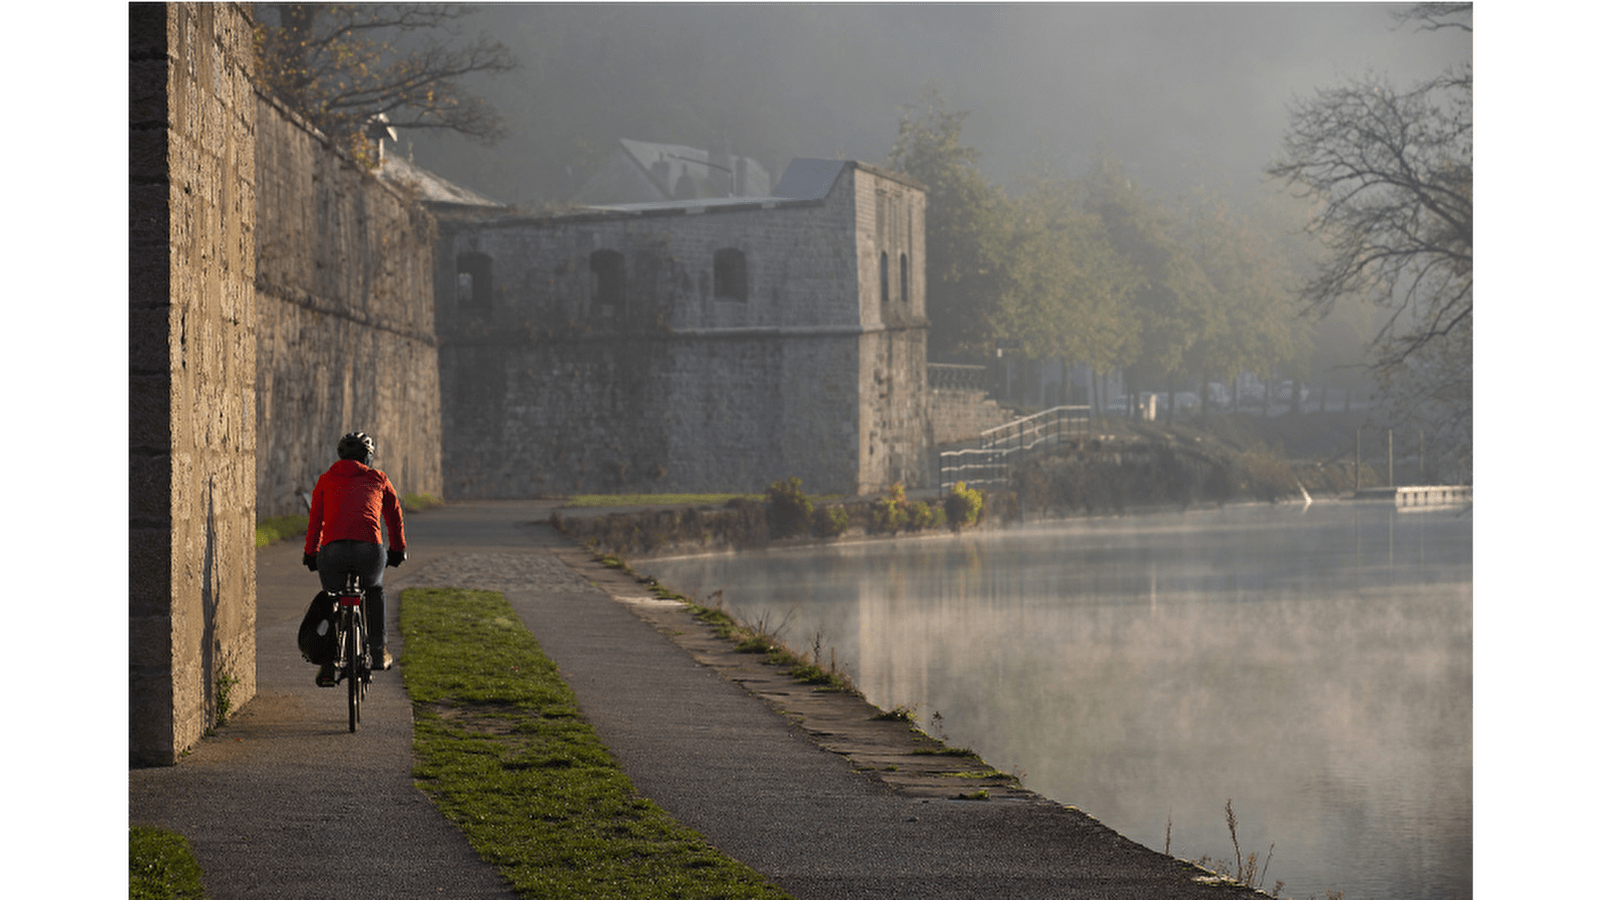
{"points": [[277, 528], [504, 753], [161, 866]]}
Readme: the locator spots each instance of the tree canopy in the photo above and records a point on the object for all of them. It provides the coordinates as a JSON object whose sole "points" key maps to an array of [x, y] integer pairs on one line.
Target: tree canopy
{"points": [[351, 67], [963, 224]]}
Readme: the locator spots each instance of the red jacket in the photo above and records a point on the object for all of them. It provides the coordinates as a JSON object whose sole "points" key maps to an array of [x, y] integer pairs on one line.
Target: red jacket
{"points": [[346, 504]]}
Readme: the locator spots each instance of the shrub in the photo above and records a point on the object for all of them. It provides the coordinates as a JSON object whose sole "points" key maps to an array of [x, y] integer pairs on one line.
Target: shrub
{"points": [[788, 509], [921, 516], [889, 513], [963, 506], [829, 521]]}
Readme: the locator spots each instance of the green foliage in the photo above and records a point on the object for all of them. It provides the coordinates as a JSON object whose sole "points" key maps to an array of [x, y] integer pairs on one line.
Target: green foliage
{"points": [[225, 686], [505, 754], [829, 521], [963, 506], [162, 866], [920, 516], [889, 514], [278, 528], [1064, 289], [964, 212], [788, 509]]}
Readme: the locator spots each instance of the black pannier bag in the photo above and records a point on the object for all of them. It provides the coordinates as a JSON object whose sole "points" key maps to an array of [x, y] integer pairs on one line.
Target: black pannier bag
{"points": [[318, 643]]}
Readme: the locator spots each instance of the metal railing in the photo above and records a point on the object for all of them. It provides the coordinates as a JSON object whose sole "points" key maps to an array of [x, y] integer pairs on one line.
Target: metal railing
{"points": [[953, 377], [988, 463]]}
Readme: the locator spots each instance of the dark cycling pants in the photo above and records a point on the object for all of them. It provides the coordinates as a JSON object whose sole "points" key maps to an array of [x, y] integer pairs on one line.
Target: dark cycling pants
{"points": [[366, 559]]}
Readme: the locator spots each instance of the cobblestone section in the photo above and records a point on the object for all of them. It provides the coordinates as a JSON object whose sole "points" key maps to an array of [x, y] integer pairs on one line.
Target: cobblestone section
{"points": [[191, 367], [499, 572], [345, 342]]}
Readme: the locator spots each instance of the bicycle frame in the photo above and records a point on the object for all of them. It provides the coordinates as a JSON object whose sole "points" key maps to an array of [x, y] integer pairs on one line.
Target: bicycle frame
{"points": [[354, 664]]}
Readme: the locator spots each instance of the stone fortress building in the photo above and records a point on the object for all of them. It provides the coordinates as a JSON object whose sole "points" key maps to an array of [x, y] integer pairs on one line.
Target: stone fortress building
{"points": [[711, 344]]}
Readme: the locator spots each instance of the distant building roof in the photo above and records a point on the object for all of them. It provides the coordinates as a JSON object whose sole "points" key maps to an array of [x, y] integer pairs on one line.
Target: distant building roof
{"points": [[804, 180], [810, 179], [646, 172], [430, 187]]}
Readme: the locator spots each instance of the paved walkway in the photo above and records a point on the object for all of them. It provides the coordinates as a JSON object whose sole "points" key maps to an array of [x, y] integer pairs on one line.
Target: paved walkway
{"points": [[267, 801]]}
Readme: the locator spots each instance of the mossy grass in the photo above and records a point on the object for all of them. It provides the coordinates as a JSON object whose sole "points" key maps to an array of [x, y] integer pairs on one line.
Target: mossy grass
{"points": [[162, 866], [420, 501], [505, 754], [279, 528]]}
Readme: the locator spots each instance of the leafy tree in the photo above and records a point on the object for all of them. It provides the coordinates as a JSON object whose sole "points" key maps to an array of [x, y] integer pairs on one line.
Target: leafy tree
{"points": [[346, 67], [1064, 290], [965, 212], [1171, 296], [1254, 317]]}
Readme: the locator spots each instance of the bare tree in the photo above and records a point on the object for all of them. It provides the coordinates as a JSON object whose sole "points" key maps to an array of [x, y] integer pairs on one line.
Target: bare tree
{"points": [[346, 67], [1393, 171]]}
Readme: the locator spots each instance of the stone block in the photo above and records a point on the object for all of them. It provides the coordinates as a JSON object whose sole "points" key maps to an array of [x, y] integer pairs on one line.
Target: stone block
{"points": [[149, 288], [150, 568], [147, 31], [147, 93], [150, 642], [150, 414]]}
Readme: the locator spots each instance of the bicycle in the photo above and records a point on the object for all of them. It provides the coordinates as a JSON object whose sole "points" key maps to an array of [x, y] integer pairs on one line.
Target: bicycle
{"points": [[354, 664]]}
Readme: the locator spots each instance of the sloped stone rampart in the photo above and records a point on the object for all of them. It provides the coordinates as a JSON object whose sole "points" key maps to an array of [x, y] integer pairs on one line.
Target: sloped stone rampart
{"points": [[344, 291]]}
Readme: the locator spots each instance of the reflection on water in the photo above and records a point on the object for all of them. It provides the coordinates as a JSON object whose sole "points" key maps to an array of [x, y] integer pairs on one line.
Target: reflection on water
{"points": [[1313, 666]]}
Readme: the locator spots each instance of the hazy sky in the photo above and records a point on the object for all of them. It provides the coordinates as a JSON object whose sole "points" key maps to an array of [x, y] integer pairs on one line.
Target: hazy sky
{"points": [[1181, 92]]}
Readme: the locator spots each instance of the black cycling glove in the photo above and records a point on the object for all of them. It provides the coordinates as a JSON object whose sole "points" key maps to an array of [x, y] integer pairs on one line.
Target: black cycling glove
{"points": [[310, 561], [396, 557]]}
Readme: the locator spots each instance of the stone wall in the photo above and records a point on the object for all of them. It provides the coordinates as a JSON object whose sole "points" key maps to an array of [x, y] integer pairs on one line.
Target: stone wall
{"points": [[344, 297], [961, 415], [191, 372], [691, 348]]}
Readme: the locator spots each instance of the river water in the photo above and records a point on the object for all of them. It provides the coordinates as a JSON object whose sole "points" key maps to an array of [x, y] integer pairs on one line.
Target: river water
{"points": [[1310, 666]]}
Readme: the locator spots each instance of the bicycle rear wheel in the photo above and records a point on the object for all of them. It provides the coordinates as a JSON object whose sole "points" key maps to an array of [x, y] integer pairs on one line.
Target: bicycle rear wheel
{"points": [[352, 672]]}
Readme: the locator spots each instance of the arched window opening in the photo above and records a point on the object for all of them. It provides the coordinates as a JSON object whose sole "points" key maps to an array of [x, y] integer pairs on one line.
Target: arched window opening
{"points": [[905, 278], [474, 282], [883, 276], [730, 277], [607, 286]]}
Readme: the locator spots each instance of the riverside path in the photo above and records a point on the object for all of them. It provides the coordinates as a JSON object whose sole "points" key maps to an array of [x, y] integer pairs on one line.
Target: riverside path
{"points": [[272, 801]]}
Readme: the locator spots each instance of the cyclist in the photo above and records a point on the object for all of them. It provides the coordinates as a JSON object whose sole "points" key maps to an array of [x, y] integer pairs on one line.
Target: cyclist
{"points": [[343, 535]]}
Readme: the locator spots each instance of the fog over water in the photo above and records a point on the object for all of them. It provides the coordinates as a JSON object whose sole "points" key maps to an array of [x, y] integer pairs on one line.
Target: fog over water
{"points": [[1184, 93], [1312, 666]]}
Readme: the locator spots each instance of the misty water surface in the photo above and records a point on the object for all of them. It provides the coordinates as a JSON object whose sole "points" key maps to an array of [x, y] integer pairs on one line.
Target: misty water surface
{"points": [[1312, 665]]}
